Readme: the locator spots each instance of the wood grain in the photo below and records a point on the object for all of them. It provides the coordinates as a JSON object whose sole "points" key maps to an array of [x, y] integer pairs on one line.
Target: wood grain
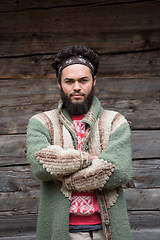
{"points": [[142, 199], [130, 65], [126, 34], [139, 15], [41, 27], [35, 43]]}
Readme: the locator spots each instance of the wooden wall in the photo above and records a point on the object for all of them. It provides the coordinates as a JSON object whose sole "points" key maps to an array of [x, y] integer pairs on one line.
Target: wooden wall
{"points": [[126, 34]]}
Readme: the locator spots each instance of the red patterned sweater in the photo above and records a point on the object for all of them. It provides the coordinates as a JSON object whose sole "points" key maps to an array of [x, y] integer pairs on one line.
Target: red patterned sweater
{"points": [[84, 208]]}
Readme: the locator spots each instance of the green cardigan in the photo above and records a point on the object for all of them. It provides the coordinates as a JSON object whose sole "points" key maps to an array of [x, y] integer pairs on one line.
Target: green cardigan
{"points": [[53, 215]]}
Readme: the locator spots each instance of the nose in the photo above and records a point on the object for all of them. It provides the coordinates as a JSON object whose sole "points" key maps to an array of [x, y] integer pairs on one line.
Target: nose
{"points": [[76, 86]]}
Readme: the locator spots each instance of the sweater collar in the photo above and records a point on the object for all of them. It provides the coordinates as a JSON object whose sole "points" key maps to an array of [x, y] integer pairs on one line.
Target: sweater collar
{"points": [[90, 118]]}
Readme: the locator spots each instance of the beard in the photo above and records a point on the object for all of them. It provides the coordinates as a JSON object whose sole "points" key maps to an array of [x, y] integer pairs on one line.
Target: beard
{"points": [[77, 108]]}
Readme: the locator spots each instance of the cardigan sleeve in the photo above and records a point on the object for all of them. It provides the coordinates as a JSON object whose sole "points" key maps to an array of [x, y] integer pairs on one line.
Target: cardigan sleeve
{"points": [[51, 161], [113, 165], [37, 138], [118, 152]]}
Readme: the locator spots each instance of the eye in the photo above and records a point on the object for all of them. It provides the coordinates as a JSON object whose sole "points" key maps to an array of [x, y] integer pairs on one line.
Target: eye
{"points": [[84, 80], [68, 81]]}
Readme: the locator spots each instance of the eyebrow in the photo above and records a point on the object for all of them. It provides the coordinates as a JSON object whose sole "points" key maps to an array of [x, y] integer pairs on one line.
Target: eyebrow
{"points": [[79, 78], [68, 79], [84, 77]]}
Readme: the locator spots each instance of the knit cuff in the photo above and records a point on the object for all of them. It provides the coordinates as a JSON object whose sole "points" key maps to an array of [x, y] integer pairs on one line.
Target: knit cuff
{"points": [[85, 160], [69, 183]]}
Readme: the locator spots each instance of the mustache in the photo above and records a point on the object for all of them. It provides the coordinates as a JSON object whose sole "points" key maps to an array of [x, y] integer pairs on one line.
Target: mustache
{"points": [[77, 93]]}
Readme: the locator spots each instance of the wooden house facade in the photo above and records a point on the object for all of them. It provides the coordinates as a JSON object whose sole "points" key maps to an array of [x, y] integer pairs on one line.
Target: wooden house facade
{"points": [[126, 34]]}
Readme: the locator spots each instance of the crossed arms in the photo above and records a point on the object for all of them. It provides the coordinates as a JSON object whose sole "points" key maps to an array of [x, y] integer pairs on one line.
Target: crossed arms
{"points": [[78, 170]]}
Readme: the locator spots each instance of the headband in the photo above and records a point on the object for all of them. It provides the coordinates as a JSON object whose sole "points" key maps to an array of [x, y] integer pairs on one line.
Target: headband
{"points": [[74, 60]]}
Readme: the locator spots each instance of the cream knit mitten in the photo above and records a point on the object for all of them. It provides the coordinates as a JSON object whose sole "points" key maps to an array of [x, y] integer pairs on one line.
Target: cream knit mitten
{"points": [[92, 177], [61, 162]]}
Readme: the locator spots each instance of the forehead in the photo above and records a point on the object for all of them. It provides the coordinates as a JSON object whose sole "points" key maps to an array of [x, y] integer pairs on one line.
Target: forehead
{"points": [[76, 71]]}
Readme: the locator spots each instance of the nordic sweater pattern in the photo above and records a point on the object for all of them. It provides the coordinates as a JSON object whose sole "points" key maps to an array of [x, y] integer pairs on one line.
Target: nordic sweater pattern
{"points": [[83, 205], [53, 218]]}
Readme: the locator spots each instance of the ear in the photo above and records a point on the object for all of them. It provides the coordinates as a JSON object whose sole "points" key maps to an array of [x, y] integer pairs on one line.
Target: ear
{"points": [[59, 86], [94, 81]]}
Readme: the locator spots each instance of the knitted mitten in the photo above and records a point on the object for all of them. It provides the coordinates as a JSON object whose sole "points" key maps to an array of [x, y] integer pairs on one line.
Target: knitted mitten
{"points": [[61, 162], [92, 177]]}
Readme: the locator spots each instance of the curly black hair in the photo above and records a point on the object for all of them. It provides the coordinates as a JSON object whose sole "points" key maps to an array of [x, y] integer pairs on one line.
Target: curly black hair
{"points": [[76, 50]]}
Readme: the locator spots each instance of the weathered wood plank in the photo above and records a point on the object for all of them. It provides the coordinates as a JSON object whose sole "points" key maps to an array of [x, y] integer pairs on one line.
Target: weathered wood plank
{"points": [[24, 68], [137, 65], [46, 43], [27, 202], [126, 88], [145, 144], [131, 65], [29, 92], [20, 202], [17, 225], [146, 174], [21, 225], [17, 178], [13, 150], [21, 237], [8, 6], [110, 30], [140, 220], [142, 199], [146, 234], [140, 15]]}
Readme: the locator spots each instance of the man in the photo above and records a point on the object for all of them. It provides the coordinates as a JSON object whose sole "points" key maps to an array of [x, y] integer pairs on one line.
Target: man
{"points": [[82, 155]]}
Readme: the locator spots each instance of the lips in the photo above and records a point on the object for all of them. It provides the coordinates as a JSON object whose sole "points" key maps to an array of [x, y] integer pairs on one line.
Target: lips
{"points": [[77, 95]]}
